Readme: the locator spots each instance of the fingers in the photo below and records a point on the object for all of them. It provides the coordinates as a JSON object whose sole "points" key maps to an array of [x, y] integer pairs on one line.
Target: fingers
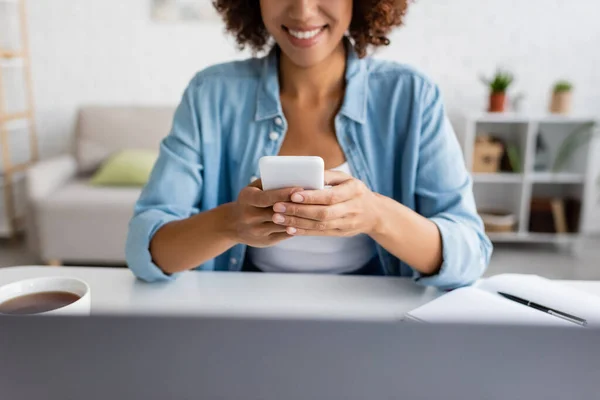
{"points": [[312, 225], [278, 237], [256, 215], [313, 212], [256, 197], [345, 191], [269, 228], [270, 234], [336, 177], [332, 232]]}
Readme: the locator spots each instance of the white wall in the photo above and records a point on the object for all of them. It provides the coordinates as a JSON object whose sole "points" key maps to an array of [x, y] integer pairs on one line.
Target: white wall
{"points": [[109, 51]]}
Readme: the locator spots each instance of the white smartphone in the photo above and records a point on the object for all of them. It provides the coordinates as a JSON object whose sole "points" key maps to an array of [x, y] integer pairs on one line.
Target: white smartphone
{"points": [[279, 172]]}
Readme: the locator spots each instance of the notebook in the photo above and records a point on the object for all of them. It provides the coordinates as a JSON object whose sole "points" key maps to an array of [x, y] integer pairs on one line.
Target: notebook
{"points": [[481, 303]]}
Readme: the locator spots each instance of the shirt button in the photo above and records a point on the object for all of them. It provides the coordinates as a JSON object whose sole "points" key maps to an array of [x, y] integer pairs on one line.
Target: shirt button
{"points": [[278, 121], [233, 261], [274, 136]]}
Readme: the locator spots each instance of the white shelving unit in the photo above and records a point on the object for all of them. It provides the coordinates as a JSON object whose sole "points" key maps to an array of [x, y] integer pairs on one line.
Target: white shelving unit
{"points": [[514, 191]]}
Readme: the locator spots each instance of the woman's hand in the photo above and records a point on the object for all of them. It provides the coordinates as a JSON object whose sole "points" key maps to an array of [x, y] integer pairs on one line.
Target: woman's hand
{"points": [[347, 209], [252, 215]]}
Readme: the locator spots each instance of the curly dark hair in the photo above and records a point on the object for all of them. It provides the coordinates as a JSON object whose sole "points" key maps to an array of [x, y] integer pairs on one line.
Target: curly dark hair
{"points": [[372, 20]]}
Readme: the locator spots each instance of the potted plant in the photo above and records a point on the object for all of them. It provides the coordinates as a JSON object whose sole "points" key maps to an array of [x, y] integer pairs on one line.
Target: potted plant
{"points": [[561, 98], [498, 87]]}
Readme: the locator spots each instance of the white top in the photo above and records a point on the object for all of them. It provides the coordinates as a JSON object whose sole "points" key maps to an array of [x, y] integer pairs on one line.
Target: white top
{"points": [[329, 255]]}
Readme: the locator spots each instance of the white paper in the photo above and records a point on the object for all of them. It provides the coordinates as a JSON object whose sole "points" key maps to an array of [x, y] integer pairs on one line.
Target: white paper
{"points": [[472, 305], [547, 293], [482, 303]]}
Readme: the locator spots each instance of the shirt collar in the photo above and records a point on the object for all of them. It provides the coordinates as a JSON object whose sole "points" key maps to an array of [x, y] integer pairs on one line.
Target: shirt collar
{"points": [[268, 104]]}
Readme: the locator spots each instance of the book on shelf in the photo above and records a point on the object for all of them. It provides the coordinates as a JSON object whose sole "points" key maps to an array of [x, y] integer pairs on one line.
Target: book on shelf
{"points": [[559, 216]]}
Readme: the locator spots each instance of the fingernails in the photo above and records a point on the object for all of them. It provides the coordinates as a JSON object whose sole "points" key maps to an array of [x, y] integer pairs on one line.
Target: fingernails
{"points": [[278, 219], [279, 208], [291, 231], [297, 198]]}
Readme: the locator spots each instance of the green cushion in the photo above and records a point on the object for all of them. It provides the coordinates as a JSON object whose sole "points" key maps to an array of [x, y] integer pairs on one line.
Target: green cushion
{"points": [[126, 168]]}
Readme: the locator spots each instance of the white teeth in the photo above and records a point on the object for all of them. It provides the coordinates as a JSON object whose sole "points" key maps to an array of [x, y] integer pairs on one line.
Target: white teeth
{"points": [[304, 35]]}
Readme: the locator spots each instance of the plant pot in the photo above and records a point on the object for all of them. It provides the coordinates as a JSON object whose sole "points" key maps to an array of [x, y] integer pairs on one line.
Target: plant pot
{"points": [[497, 102], [561, 102]]}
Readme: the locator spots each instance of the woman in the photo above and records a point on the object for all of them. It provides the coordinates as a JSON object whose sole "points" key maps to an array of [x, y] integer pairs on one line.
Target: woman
{"points": [[401, 202]]}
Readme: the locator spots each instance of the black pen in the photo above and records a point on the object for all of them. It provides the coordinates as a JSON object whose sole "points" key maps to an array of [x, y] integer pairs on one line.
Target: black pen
{"points": [[556, 313]]}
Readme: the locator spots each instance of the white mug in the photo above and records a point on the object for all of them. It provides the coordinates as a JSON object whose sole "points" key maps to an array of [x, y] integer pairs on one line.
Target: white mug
{"points": [[81, 307]]}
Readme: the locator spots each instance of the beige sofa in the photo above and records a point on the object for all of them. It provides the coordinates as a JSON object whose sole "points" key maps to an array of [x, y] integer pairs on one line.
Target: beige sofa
{"points": [[70, 221]]}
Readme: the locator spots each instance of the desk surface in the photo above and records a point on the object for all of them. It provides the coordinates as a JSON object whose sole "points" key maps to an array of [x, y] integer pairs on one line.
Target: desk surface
{"points": [[116, 291]]}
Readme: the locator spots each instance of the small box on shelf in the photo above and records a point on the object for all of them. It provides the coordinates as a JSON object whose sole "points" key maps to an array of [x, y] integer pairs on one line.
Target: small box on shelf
{"points": [[495, 155], [487, 155]]}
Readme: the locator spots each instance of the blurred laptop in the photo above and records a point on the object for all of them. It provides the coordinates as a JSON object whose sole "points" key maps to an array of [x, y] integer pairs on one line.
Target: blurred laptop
{"points": [[146, 358]]}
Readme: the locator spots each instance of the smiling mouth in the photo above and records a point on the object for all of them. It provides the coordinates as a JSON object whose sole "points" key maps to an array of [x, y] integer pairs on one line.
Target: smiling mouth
{"points": [[304, 34]]}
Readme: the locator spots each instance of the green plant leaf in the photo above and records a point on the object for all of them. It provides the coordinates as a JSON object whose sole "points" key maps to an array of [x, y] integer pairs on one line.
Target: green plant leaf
{"points": [[579, 137], [514, 158], [563, 86], [500, 82]]}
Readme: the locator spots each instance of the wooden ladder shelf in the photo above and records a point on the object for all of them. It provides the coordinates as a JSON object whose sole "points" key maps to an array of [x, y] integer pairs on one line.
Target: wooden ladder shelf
{"points": [[9, 168]]}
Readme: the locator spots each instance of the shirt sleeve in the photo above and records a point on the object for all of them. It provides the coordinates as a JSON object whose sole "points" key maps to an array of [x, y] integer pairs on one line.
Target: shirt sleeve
{"points": [[173, 191], [444, 194]]}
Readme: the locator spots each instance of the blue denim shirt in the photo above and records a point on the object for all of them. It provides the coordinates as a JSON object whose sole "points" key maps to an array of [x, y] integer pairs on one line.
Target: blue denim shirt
{"points": [[392, 128]]}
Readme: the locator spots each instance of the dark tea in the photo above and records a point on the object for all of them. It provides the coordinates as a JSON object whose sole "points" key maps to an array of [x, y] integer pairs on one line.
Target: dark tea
{"points": [[36, 303]]}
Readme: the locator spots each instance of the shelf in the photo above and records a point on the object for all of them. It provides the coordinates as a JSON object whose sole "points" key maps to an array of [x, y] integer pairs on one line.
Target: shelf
{"points": [[497, 178], [561, 177], [537, 177], [17, 124], [15, 169], [514, 192], [564, 119], [531, 237], [14, 116], [515, 118], [507, 118], [10, 54]]}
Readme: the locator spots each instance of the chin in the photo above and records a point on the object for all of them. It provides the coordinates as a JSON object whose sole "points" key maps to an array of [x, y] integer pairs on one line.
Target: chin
{"points": [[306, 58]]}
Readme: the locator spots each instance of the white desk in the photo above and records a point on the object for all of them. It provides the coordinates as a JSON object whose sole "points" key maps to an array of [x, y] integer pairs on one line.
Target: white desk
{"points": [[116, 291]]}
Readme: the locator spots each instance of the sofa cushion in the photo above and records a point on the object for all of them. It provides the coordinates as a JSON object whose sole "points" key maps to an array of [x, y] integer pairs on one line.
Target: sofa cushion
{"points": [[82, 222], [102, 131], [131, 168]]}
